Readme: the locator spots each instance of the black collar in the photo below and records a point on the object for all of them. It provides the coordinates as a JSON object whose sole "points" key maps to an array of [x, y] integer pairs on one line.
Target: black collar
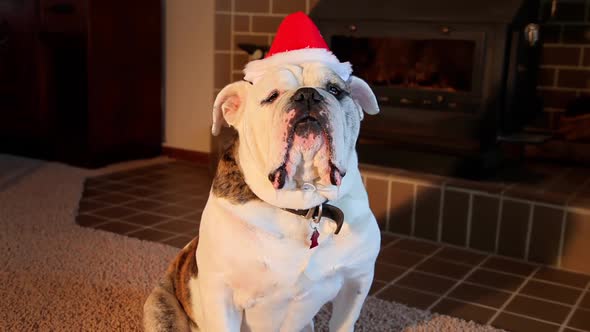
{"points": [[326, 210]]}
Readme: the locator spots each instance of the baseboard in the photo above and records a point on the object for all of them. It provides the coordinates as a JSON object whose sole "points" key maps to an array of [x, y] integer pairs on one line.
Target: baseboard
{"points": [[187, 155]]}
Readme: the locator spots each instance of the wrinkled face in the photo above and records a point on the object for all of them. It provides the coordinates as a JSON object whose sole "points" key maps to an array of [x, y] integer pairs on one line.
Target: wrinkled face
{"points": [[304, 124], [297, 125]]}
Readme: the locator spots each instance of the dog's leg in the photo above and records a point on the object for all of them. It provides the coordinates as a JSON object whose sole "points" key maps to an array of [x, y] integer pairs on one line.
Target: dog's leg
{"points": [[303, 307], [163, 313], [219, 311], [169, 306], [348, 303]]}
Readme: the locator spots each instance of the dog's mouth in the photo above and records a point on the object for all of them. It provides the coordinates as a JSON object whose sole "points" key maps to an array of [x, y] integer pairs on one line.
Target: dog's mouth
{"points": [[307, 125], [308, 156]]}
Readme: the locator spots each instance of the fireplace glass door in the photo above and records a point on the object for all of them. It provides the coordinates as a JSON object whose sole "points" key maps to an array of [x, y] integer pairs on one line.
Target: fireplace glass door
{"points": [[425, 64]]}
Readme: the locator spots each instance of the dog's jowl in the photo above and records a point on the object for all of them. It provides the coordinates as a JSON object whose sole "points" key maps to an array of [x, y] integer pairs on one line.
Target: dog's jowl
{"points": [[287, 227]]}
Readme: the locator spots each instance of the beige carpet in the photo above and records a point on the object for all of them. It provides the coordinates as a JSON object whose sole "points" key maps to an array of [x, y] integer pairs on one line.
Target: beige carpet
{"points": [[57, 276]]}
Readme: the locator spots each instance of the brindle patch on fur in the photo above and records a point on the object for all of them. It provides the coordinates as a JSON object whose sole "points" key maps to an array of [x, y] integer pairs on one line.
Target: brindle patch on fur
{"points": [[181, 270], [229, 181], [165, 315]]}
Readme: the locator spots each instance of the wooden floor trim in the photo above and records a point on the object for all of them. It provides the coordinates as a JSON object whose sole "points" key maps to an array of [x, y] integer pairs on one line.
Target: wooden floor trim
{"points": [[187, 155]]}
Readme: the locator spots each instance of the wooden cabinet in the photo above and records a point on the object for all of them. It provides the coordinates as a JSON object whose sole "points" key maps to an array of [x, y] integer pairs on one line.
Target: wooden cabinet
{"points": [[21, 120], [81, 80]]}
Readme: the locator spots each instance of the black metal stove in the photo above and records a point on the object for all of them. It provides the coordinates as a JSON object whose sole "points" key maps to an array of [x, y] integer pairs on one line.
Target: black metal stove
{"points": [[451, 76]]}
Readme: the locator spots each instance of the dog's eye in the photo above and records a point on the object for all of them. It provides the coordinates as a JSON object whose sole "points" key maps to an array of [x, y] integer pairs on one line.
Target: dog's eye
{"points": [[333, 89], [271, 97]]}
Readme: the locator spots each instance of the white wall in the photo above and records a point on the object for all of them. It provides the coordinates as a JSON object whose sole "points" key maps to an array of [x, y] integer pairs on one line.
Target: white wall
{"points": [[189, 42]]}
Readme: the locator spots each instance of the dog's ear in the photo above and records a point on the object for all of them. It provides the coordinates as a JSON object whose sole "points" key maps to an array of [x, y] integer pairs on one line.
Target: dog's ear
{"points": [[362, 93], [228, 105]]}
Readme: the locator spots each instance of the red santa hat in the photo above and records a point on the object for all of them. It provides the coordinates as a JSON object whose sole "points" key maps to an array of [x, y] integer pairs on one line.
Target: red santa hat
{"points": [[297, 41]]}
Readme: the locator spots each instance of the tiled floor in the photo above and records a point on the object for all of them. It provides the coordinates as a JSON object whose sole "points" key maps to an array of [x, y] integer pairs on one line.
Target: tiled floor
{"points": [[160, 203], [163, 203], [488, 289]]}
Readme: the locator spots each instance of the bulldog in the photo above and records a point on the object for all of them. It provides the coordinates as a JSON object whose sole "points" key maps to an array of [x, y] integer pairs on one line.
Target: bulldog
{"points": [[287, 226]]}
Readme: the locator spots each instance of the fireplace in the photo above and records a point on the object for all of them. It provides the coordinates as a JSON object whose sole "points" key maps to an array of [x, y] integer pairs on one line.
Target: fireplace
{"points": [[452, 77]]}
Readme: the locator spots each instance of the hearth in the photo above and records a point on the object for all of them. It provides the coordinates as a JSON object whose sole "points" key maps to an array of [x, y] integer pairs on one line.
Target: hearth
{"points": [[452, 77]]}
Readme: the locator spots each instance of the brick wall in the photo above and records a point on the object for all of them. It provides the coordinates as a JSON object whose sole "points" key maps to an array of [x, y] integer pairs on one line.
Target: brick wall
{"points": [[246, 21], [565, 64]]}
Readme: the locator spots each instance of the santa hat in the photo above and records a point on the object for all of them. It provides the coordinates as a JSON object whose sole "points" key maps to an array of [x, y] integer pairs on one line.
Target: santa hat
{"points": [[297, 41]]}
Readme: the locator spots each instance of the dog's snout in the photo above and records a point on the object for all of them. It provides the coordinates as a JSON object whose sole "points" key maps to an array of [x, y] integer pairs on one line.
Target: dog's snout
{"points": [[307, 97]]}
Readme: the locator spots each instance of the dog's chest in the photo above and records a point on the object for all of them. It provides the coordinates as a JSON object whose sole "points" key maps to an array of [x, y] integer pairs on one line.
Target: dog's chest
{"points": [[283, 270], [264, 257]]}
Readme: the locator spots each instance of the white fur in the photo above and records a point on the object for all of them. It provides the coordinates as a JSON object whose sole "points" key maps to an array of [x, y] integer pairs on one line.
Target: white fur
{"points": [[363, 95], [256, 269], [227, 105], [257, 273]]}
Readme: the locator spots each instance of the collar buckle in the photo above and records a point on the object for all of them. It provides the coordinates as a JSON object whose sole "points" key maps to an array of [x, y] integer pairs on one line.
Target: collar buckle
{"points": [[311, 213], [316, 213]]}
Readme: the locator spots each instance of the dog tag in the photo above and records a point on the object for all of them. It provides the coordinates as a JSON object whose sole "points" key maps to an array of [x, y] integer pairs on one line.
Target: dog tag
{"points": [[314, 238]]}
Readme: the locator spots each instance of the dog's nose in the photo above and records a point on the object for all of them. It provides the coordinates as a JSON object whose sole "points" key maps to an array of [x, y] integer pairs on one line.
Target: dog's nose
{"points": [[307, 97]]}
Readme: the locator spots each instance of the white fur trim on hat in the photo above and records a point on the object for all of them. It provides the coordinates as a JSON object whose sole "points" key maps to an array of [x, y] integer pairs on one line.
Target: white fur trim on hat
{"points": [[255, 69]]}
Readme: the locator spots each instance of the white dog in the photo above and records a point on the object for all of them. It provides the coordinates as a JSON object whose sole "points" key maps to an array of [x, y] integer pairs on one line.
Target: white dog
{"points": [[287, 227]]}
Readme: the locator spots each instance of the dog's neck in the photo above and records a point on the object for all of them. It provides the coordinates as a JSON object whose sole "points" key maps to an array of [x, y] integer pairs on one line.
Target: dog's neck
{"points": [[231, 192], [229, 183]]}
